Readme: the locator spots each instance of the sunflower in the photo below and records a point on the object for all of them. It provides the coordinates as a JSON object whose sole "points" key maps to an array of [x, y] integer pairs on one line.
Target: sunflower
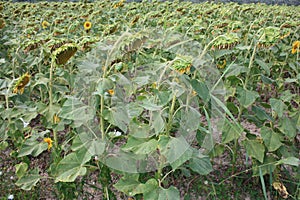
{"points": [[45, 24], [64, 53], [49, 141], [21, 83], [87, 25], [296, 47], [182, 65], [111, 92]]}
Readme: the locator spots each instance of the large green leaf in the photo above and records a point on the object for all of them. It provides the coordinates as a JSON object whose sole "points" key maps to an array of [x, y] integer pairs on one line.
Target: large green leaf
{"points": [[263, 65], [141, 146], [32, 146], [261, 114], [288, 127], [255, 149], [236, 70], [200, 164], [74, 109], [174, 149], [271, 139], [132, 187], [158, 123], [189, 121], [72, 166], [201, 89], [88, 140], [171, 193], [29, 180], [267, 167], [278, 106], [138, 129], [246, 97], [230, 132], [21, 169], [290, 161], [118, 116], [187, 155], [149, 104]]}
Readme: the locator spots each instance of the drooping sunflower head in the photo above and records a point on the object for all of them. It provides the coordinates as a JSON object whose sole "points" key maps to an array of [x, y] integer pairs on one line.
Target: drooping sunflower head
{"points": [[296, 47], [87, 25], [182, 64], [64, 53], [21, 83], [45, 24]]}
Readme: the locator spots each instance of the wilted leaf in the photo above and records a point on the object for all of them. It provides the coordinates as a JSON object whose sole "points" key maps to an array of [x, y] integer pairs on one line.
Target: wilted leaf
{"points": [[281, 189]]}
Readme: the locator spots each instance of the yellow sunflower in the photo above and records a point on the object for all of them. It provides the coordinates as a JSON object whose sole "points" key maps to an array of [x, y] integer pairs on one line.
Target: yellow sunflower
{"points": [[87, 25], [111, 92], [21, 83], [49, 141], [45, 24], [296, 47]]}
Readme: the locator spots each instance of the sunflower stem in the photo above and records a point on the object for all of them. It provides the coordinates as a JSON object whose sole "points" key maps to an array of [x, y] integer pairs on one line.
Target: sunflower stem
{"points": [[171, 111], [101, 117], [51, 98]]}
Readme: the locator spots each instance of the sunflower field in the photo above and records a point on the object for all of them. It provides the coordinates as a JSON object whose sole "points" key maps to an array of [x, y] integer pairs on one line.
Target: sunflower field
{"points": [[150, 100]]}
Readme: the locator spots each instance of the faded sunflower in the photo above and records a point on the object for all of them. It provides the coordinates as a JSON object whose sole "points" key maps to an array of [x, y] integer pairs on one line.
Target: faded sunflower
{"points": [[221, 64], [87, 25], [45, 24], [21, 83], [56, 119], [296, 47], [49, 141]]}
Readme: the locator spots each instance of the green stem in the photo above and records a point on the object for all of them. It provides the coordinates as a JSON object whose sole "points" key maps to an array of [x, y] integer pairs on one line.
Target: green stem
{"points": [[50, 84], [51, 98], [171, 111], [101, 117], [250, 66]]}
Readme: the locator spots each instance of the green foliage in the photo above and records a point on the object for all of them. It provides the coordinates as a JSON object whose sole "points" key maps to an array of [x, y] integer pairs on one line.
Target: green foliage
{"points": [[151, 87]]}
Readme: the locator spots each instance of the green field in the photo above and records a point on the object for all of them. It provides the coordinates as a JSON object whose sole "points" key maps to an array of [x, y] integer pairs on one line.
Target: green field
{"points": [[151, 100]]}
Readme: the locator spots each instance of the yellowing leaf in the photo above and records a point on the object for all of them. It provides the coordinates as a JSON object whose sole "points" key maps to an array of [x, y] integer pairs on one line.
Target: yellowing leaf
{"points": [[281, 189]]}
